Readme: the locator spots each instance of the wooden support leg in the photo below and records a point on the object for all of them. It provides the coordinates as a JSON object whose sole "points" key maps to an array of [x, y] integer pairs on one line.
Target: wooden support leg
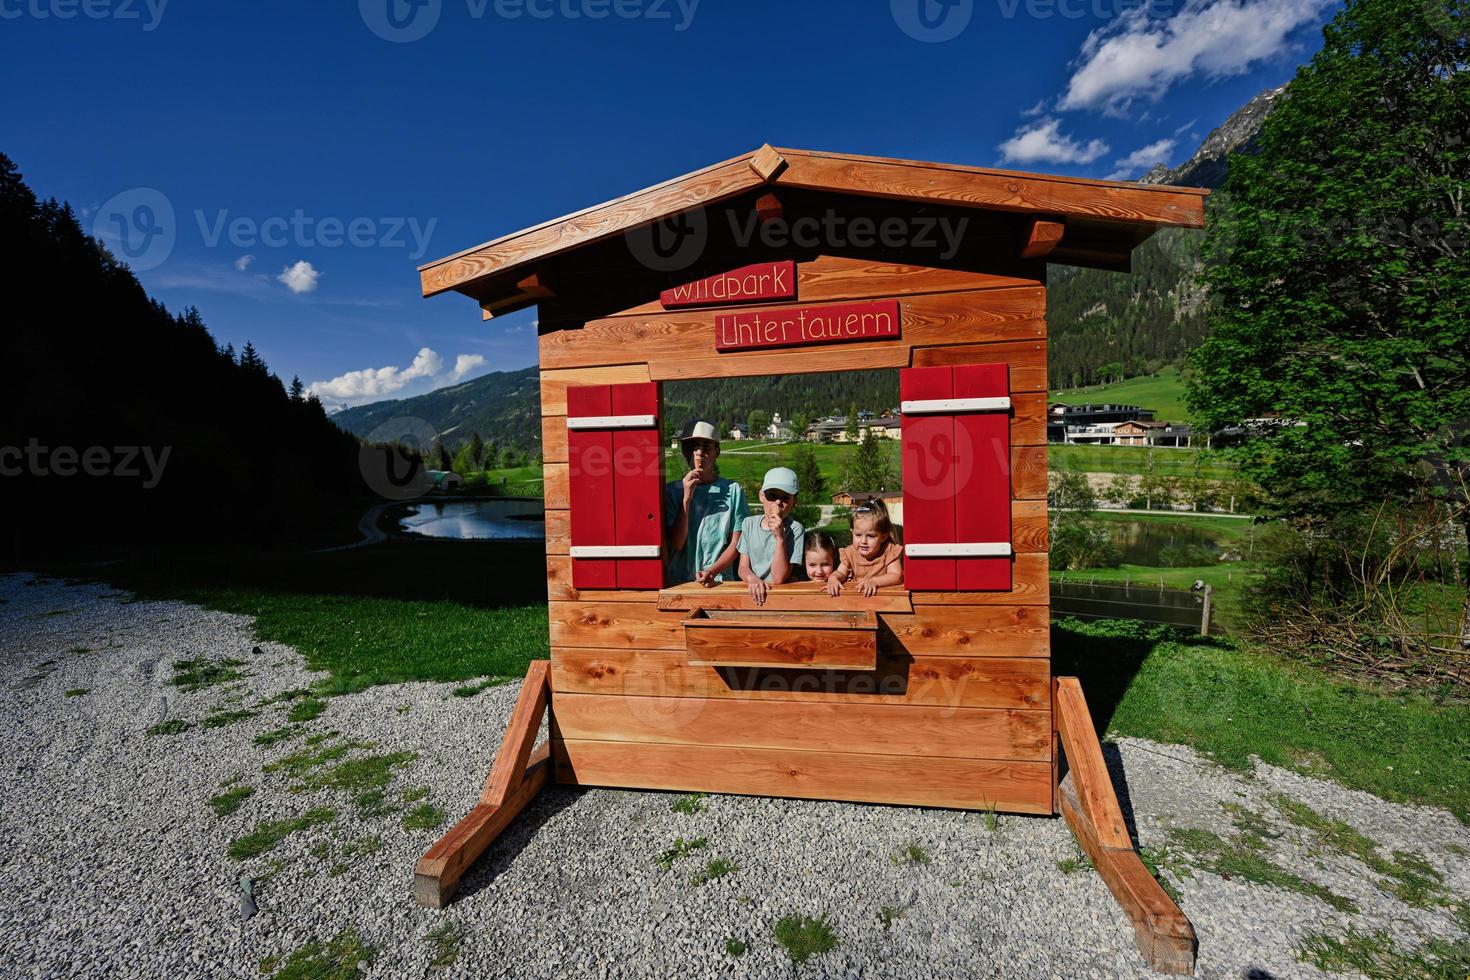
{"points": [[1163, 933], [517, 776]]}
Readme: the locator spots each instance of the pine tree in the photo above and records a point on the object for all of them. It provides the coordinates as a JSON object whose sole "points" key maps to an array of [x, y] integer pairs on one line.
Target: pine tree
{"points": [[867, 470], [852, 423], [297, 388], [808, 473], [477, 450]]}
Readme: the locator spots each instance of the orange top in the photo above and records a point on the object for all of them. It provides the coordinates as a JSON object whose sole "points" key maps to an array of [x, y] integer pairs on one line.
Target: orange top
{"points": [[863, 568]]}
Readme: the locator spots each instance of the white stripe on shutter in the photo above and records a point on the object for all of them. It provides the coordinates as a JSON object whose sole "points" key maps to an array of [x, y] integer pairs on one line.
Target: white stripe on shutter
{"points": [[616, 551], [974, 549], [612, 422], [951, 406]]}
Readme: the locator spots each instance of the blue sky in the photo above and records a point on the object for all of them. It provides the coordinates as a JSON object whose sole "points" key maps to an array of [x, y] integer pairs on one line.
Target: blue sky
{"points": [[286, 166]]}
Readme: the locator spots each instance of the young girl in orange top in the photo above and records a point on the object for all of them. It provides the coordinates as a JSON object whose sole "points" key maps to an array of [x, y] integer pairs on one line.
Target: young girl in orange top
{"points": [[874, 559]]}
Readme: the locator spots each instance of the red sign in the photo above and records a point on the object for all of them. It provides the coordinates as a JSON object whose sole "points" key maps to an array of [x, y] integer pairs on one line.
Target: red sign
{"points": [[795, 326], [748, 284]]}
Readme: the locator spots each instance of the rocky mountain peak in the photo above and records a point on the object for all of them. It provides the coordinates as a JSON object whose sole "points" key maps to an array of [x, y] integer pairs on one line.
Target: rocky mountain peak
{"points": [[1208, 167]]}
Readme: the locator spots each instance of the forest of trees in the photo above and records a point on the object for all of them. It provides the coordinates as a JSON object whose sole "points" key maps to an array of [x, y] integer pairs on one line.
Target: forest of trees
{"points": [[97, 367], [1106, 326]]}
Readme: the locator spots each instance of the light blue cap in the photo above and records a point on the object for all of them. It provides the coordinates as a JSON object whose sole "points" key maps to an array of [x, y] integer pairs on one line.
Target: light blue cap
{"points": [[781, 478]]}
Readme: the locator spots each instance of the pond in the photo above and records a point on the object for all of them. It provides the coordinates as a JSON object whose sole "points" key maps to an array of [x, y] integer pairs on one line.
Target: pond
{"points": [[1163, 545], [494, 519]]}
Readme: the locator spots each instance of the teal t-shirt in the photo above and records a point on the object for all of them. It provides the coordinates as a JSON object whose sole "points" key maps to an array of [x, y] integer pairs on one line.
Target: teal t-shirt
{"points": [[715, 513], [760, 545]]}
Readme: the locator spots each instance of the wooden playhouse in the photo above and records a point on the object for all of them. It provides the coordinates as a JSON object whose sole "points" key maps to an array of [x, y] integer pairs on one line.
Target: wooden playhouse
{"points": [[938, 693]]}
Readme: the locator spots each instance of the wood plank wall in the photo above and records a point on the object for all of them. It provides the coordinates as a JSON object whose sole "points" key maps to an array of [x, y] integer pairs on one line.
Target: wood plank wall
{"points": [[958, 712]]}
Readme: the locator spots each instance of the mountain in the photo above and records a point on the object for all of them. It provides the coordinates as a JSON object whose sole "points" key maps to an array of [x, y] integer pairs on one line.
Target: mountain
{"points": [[504, 406], [1106, 326]]}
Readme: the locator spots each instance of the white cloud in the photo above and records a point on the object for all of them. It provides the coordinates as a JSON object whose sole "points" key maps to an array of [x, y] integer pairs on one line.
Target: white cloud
{"points": [[299, 278], [371, 383], [1035, 110], [1043, 141], [1140, 57], [1143, 158], [464, 364], [243, 262]]}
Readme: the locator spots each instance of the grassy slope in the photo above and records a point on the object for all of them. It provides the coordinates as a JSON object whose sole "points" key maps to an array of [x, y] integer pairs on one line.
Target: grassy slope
{"points": [[1233, 703], [1164, 393]]}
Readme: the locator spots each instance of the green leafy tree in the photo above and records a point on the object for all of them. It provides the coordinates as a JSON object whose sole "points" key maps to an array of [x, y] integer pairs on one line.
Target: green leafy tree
{"points": [[758, 421], [1341, 278], [867, 468], [464, 460], [808, 474]]}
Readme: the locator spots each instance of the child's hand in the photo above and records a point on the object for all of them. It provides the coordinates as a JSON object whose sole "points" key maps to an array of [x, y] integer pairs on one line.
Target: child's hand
{"points": [[869, 589], [834, 586], [691, 480], [772, 523], [704, 578], [757, 589]]}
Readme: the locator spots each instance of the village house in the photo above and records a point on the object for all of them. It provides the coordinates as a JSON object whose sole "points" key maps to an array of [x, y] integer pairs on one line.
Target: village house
{"points": [[1162, 434]]}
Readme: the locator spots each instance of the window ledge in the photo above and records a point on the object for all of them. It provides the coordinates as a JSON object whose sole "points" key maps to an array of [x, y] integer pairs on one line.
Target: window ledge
{"points": [[795, 596]]}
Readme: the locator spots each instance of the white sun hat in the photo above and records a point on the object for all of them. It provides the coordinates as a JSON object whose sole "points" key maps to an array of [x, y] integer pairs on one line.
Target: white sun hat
{"points": [[699, 429]]}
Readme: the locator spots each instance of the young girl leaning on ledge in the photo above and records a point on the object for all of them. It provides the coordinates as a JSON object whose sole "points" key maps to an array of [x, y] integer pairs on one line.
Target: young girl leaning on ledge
{"points": [[874, 559]]}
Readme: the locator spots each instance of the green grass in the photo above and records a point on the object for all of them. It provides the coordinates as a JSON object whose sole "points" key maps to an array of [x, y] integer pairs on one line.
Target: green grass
{"points": [[911, 854], [1243, 858], [681, 848], [1407, 876], [1133, 460], [306, 710], [447, 938], [229, 801], [1377, 954], [470, 690], [446, 611], [220, 719], [1233, 703], [888, 915], [267, 835], [716, 868], [335, 959], [362, 775], [690, 804], [173, 726], [200, 672], [735, 947], [804, 937], [278, 735], [1164, 393], [76, 692], [425, 816]]}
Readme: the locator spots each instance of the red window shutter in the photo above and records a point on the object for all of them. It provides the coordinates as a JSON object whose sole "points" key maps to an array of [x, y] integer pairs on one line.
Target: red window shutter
{"points": [[983, 501], [615, 486], [956, 478], [928, 478]]}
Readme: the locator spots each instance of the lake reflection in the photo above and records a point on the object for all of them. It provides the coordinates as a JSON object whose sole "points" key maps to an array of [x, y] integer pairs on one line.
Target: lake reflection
{"points": [[1155, 543], [498, 519]]}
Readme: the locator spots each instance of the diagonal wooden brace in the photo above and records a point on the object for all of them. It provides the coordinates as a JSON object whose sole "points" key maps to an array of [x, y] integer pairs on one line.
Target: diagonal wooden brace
{"points": [[1163, 933], [518, 775]]}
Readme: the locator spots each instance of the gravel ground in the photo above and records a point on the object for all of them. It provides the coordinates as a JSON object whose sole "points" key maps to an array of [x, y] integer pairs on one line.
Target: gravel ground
{"points": [[116, 864]]}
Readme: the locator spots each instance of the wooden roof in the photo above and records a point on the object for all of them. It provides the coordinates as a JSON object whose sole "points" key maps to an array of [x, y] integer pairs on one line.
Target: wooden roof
{"points": [[1112, 217]]}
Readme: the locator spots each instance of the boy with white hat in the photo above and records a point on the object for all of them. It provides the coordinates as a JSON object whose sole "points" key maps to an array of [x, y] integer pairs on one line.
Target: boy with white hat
{"points": [[704, 512], [771, 545]]}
